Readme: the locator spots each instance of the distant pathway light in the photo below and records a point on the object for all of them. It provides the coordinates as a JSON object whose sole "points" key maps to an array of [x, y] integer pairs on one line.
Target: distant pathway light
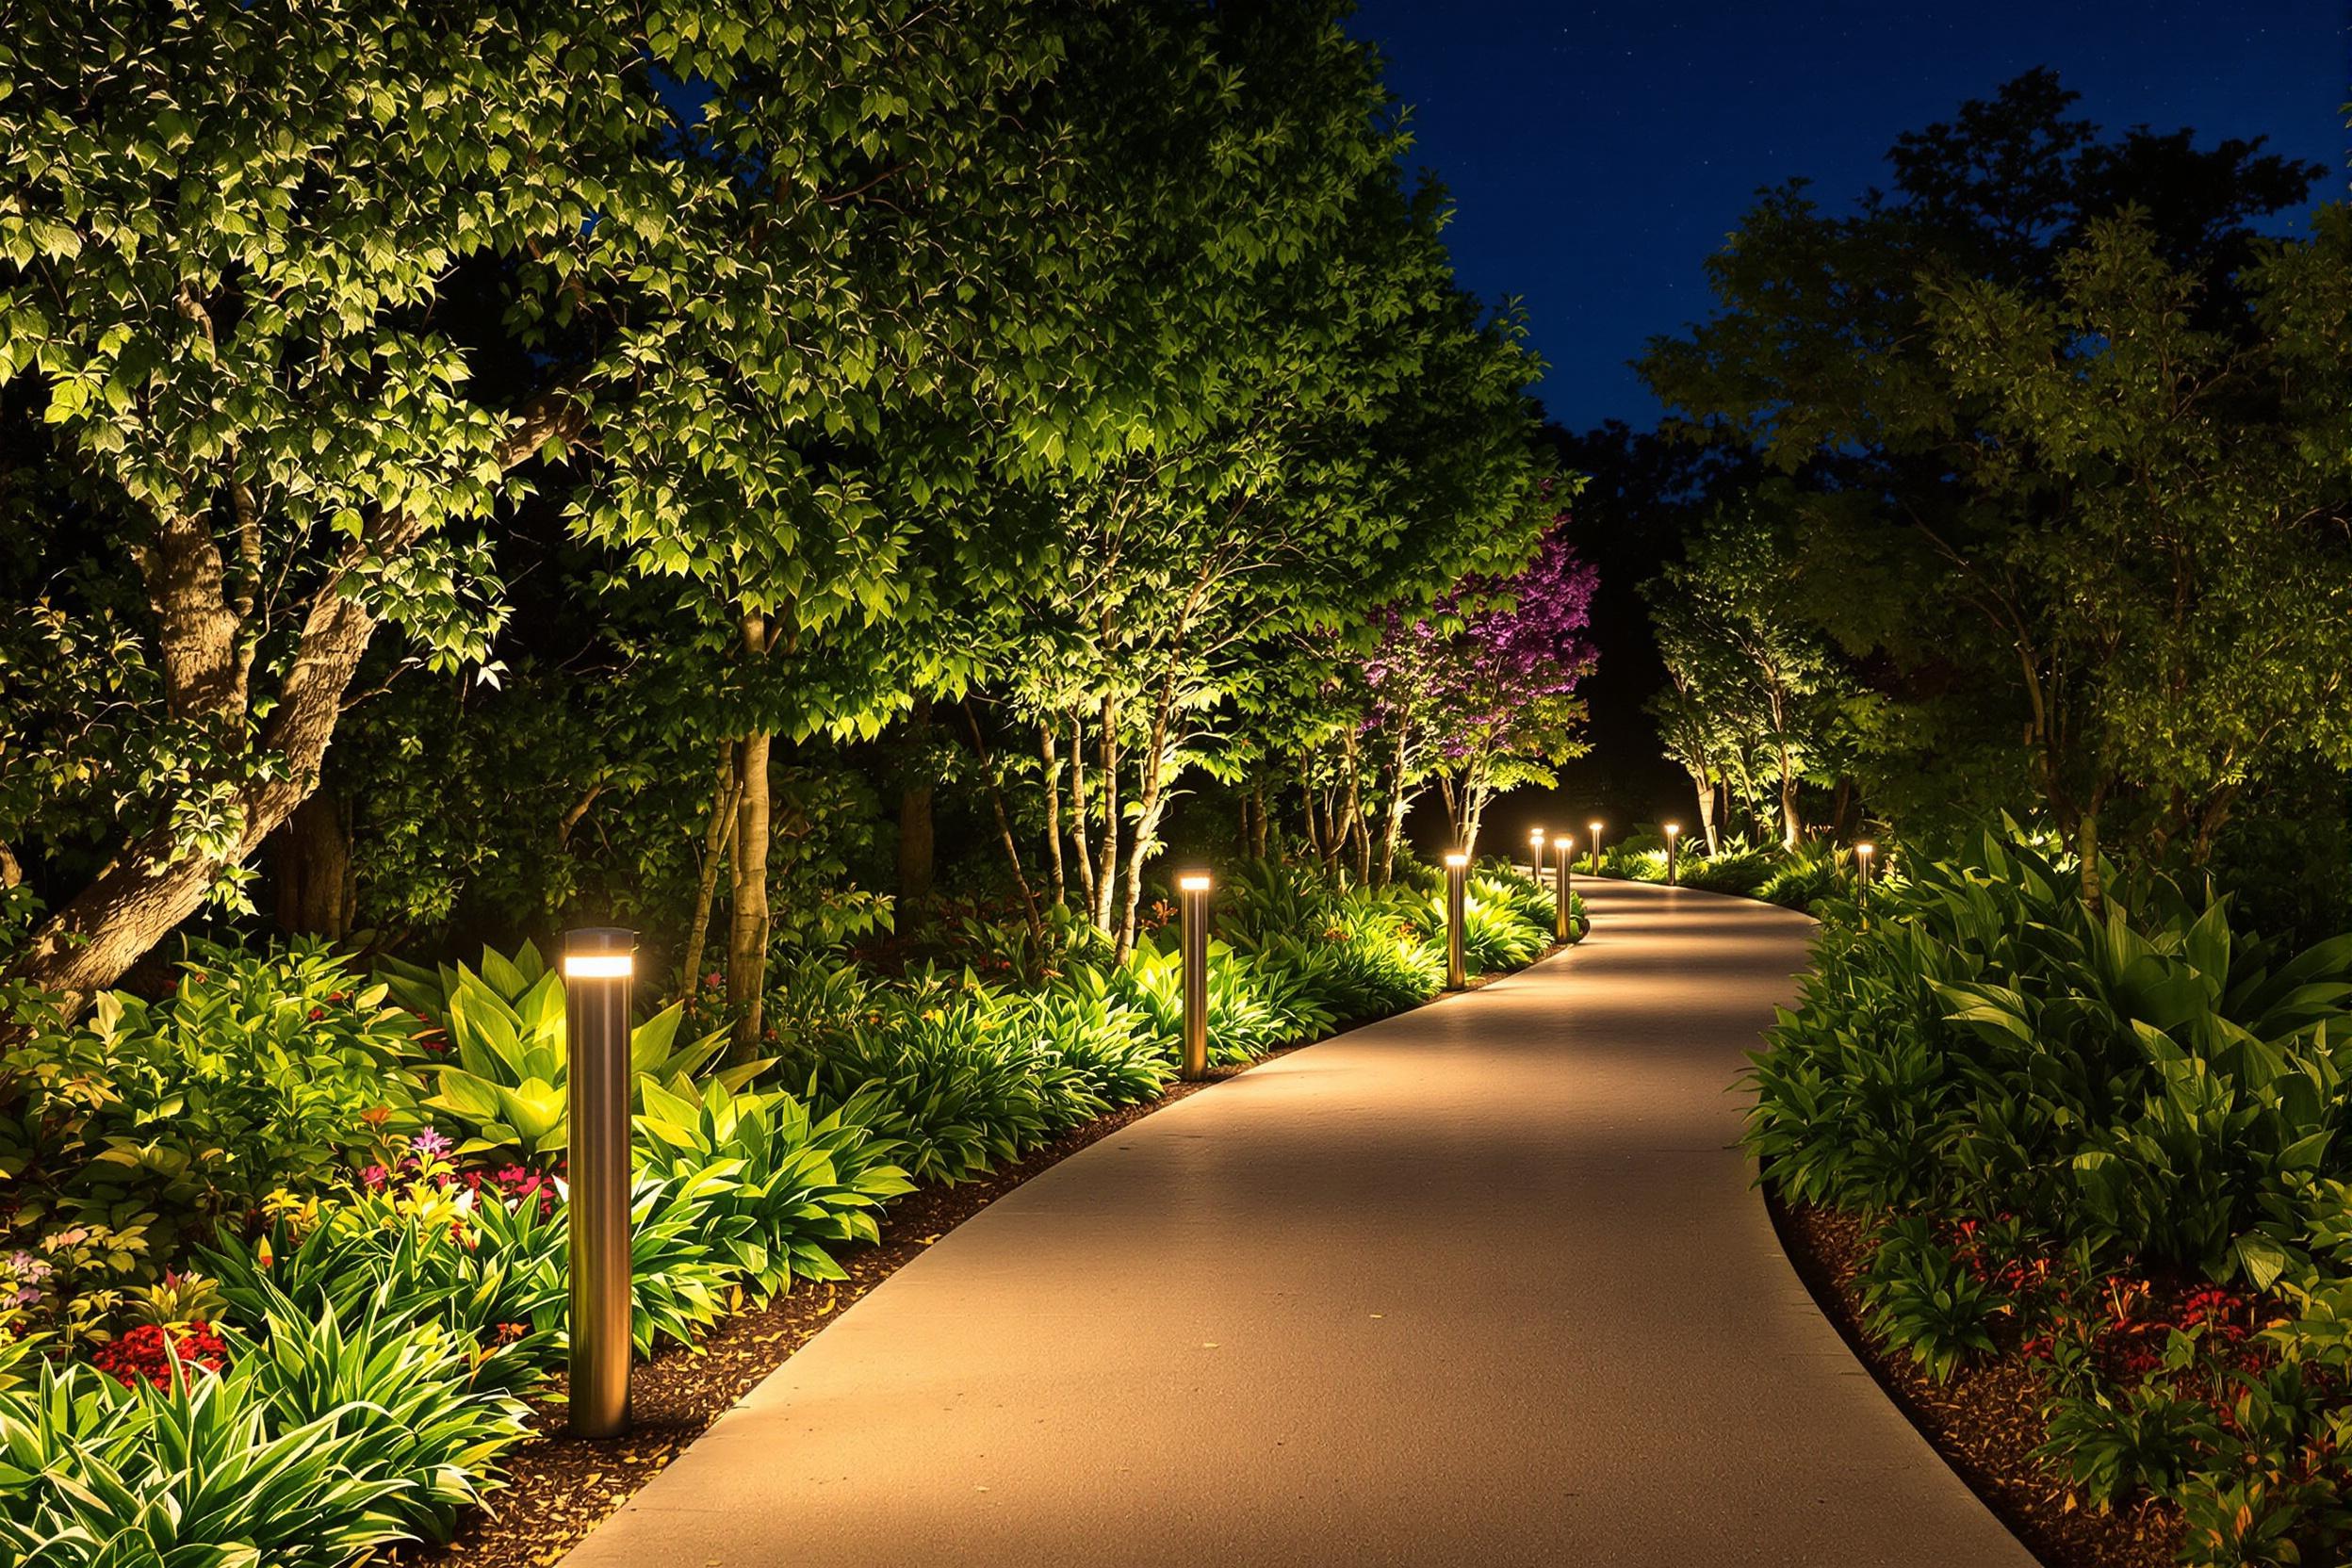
{"points": [[1674, 841], [1192, 893], [1536, 859], [1564, 851], [1594, 826], [1457, 875]]}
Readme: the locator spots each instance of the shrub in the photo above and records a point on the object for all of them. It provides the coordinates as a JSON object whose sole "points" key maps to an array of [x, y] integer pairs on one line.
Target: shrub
{"points": [[127, 1136], [1099, 1036], [2147, 1081], [795, 1184], [947, 1086]]}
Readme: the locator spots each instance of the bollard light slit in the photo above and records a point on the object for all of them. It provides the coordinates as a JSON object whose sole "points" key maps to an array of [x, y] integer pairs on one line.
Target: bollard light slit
{"points": [[1457, 880], [1564, 851], [1192, 894], [600, 965]]}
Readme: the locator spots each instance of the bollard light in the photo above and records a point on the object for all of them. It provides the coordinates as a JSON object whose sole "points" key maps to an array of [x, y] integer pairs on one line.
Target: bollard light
{"points": [[1564, 851], [1192, 894], [1862, 853], [1535, 860], [1457, 878], [598, 964], [1595, 845], [1674, 838]]}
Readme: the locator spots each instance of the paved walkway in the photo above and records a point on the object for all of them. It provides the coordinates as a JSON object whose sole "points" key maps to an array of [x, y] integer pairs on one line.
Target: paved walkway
{"points": [[1481, 1285]]}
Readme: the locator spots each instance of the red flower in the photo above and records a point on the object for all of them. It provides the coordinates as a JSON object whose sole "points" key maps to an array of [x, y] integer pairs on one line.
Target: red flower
{"points": [[148, 1353]]}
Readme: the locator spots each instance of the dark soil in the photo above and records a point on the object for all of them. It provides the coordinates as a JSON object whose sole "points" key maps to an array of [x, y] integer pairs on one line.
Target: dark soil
{"points": [[561, 1487], [1987, 1421]]}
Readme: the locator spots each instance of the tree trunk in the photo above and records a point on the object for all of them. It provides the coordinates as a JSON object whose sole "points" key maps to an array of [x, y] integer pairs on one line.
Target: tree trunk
{"points": [[915, 838], [1399, 803], [715, 839], [310, 865], [748, 901], [1078, 826], [150, 887], [1260, 829], [1790, 825], [1706, 790], [1106, 895], [2086, 845], [1052, 775], [206, 641]]}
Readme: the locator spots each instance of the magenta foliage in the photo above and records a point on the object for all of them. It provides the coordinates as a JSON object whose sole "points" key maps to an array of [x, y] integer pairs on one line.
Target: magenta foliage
{"points": [[1494, 647]]}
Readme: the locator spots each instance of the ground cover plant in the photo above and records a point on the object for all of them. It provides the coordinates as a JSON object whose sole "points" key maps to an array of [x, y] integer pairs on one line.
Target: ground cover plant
{"points": [[2109, 1143]]}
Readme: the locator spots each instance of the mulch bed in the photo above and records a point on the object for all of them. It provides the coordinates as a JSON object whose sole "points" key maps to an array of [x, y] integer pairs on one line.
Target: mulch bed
{"points": [[561, 1487], [1987, 1421]]}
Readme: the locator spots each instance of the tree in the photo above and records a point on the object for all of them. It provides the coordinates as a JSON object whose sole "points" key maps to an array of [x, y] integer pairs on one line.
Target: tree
{"points": [[1854, 353], [1481, 693], [297, 301], [1748, 674]]}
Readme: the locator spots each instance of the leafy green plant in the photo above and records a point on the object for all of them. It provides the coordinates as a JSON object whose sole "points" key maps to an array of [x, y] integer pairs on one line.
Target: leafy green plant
{"points": [[2144, 1079], [796, 1185], [489, 1271], [1924, 1302], [955, 1095], [502, 1065], [2113, 1447], [124, 1136]]}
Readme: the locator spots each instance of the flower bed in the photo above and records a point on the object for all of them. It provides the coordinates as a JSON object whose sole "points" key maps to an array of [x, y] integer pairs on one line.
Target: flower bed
{"points": [[2099, 1152], [312, 1227]]}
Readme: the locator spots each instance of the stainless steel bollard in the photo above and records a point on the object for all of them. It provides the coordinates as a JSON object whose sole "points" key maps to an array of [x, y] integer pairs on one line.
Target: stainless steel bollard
{"points": [[1862, 878], [1562, 926], [1595, 846], [1535, 856], [1673, 842], [1192, 893], [598, 965], [1457, 879]]}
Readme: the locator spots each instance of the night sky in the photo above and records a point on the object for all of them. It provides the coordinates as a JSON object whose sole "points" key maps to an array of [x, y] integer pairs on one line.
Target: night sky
{"points": [[1599, 153]]}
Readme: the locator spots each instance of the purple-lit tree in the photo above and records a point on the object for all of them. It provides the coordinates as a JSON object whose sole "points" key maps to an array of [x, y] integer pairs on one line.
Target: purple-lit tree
{"points": [[1479, 695]]}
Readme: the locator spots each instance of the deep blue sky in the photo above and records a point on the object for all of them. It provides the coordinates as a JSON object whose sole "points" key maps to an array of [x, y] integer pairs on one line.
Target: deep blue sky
{"points": [[1597, 154]]}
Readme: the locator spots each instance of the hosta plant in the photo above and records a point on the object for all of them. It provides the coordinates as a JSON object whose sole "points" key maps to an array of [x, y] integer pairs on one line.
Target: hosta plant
{"points": [[797, 1186], [498, 1058]]}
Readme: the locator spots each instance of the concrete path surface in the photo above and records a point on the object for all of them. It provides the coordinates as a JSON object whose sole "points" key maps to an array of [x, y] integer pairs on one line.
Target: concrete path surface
{"points": [[1485, 1283]]}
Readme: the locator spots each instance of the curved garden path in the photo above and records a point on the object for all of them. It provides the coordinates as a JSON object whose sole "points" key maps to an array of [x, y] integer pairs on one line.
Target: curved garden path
{"points": [[1484, 1283]]}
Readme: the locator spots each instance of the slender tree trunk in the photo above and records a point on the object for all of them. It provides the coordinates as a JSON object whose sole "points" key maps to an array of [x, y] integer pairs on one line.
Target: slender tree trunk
{"points": [[1150, 800], [1108, 859], [1261, 829], [1790, 828], [1399, 804], [1052, 775], [2086, 845], [310, 867], [1079, 826], [1839, 805], [1706, 790], [747, 902], [915, 838], [717, 835]]}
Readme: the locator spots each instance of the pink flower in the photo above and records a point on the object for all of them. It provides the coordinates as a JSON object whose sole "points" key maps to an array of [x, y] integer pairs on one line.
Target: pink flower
{"points": [[374, 1177]]}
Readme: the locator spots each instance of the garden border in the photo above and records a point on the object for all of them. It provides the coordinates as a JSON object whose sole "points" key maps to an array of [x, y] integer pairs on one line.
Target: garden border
{"points": [[558, 1488]]}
